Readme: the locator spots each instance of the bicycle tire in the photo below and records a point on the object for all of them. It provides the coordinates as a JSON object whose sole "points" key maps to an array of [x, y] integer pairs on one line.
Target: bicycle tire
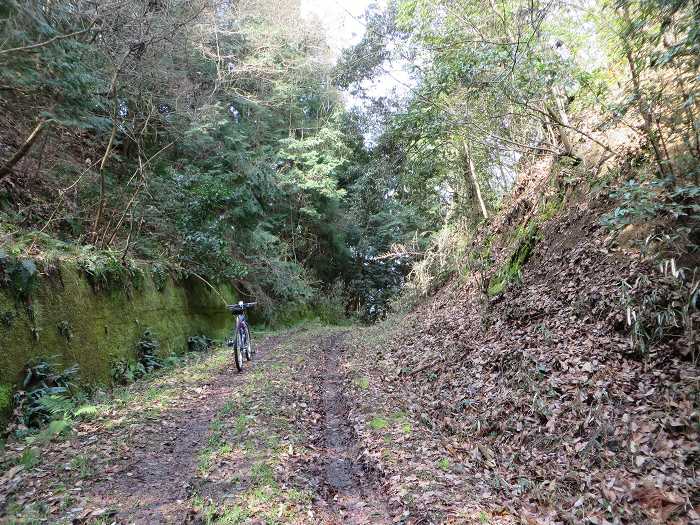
{"points": [[238, 351], [248, 344]]}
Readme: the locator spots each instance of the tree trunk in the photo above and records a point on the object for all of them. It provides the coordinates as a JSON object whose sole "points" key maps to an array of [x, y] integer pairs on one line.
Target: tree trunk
{"points": [[101, 205], [22, 151], [472, 174], [559, 98], [644, 109]]}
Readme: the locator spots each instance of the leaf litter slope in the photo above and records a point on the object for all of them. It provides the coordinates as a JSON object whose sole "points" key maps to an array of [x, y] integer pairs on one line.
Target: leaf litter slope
{"points": [[205, 445], [530, 406]]}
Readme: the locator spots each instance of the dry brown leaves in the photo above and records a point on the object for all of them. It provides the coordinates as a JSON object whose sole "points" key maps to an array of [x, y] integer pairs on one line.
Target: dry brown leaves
{"points": [[533, 401]]}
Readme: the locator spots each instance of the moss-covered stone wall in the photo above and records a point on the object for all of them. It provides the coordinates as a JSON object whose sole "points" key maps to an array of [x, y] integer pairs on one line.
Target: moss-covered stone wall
{"points": [[65, 318]]}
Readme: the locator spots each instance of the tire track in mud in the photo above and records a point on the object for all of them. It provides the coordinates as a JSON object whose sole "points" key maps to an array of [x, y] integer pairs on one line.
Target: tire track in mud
{"points": [[351, 490]]}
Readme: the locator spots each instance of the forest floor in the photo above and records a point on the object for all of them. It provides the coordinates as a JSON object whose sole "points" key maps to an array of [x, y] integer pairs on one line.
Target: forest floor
{"points": [[205, 444], [330, 425]]}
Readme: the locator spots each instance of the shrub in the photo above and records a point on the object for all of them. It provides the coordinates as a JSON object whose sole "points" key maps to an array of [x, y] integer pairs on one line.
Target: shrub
{"points": [[147, 352], [20, 276], [656, 202], [442, 259], [45, 393], [661, 308], [125, 371], [330, 305], [199, 343], [159, 273], [106, 271]]}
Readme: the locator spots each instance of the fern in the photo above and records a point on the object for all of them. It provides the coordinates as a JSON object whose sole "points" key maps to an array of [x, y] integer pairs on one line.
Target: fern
{"points": [[57, 405], [58, 427], [88, 412]]}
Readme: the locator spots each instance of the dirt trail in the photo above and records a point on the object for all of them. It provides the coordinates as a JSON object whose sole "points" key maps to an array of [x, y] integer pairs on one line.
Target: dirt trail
{"points": [[205, 444], [153, 483], [353, 492]]}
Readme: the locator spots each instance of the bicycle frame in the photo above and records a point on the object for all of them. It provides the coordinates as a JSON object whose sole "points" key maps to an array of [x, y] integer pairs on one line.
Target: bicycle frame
{"points": [[240, 338], [241, 323]]}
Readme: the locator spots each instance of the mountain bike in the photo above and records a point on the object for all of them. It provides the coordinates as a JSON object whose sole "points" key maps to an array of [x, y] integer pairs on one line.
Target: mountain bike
{"points": [[239, 339]]}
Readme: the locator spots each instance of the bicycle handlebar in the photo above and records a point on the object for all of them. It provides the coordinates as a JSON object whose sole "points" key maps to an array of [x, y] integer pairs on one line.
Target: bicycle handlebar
{"points": [[240, 306]]}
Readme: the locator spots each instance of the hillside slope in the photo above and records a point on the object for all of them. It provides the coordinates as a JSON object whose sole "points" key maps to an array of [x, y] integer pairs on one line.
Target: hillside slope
{"points": [[530, 403], [499, 400]]}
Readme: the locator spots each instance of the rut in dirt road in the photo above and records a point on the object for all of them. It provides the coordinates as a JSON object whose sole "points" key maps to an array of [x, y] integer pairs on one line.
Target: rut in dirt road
{"points": [[351, 489]]}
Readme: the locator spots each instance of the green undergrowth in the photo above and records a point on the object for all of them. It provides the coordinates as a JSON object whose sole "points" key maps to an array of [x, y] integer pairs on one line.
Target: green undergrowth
{"points": [[46, 393], [49, 400], [527, 238], [18, 275], [308, 316], [660, 218], [56, 413], [326, 311], [397, 421], [91, 306], [551, 208], [107, 271], [39, 246]]}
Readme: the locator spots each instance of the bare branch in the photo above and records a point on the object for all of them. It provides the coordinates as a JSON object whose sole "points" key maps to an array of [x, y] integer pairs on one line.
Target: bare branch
{"points": [[46, 43]]}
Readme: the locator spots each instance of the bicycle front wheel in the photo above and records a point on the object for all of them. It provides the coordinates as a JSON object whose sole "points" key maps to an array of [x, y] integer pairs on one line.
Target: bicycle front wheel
{"points": [[248, 343], [238, 351]]}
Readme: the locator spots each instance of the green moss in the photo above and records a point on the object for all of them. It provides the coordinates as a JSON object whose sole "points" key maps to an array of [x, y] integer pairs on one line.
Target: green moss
{"points": [[5, 403], [443, 464], [550, 209], [362, 382], [512, 271], [378, 423], [106, 325]]}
